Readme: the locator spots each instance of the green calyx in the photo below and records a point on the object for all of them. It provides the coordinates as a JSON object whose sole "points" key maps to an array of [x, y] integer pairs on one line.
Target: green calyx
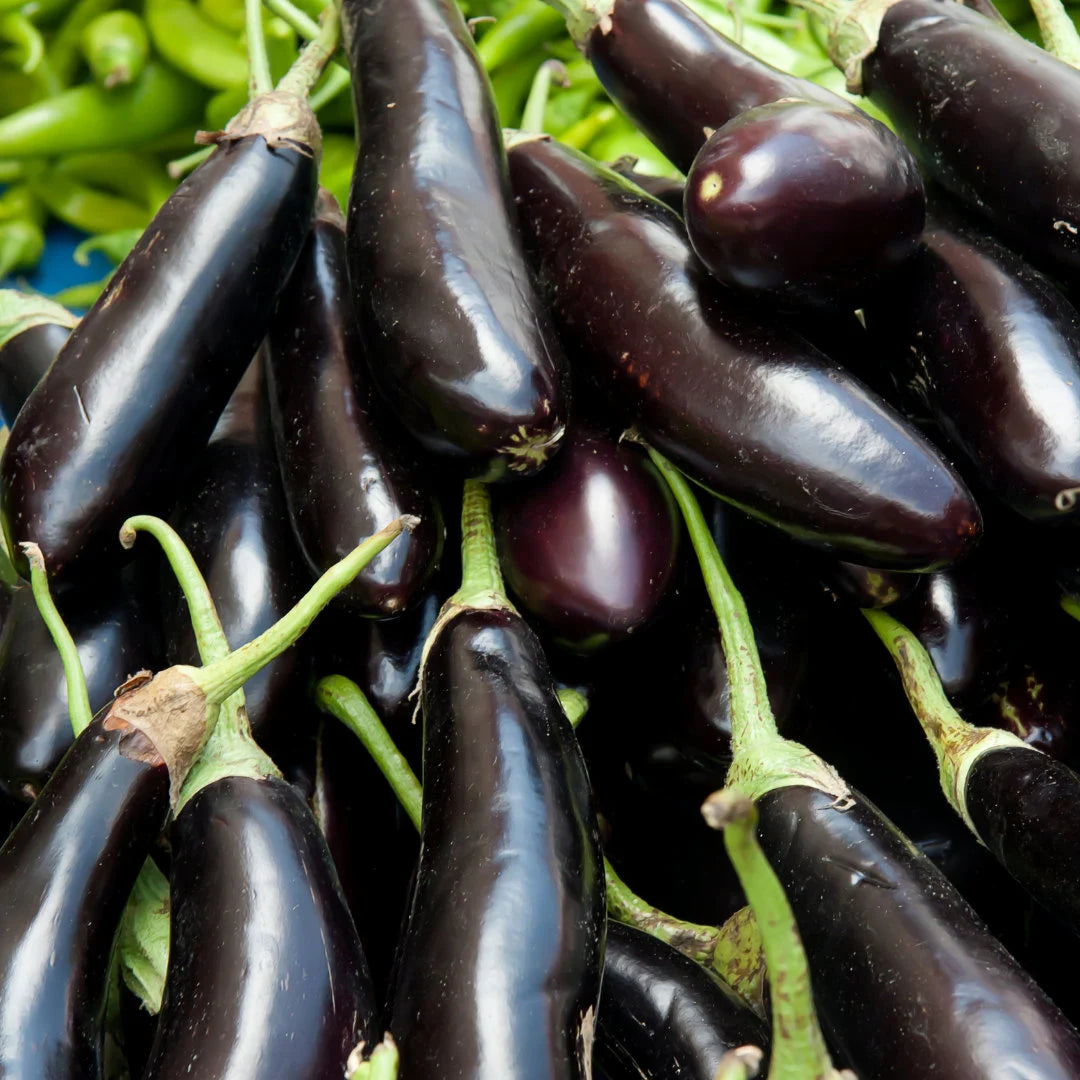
{"points": [[852, 27], [20, 311], [956, 743], [583, 17]]}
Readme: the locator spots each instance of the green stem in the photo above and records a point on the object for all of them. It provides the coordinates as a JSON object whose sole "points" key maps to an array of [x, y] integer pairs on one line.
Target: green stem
{"points": [[520, 32], [78, 699], [532, 119], [299, 20], [260, 81], [209, 636], [309, 65], [180, 167], [481, 579], [336, 82], [956, 743], [1059, 34], [583, 16], [798, 1046]]}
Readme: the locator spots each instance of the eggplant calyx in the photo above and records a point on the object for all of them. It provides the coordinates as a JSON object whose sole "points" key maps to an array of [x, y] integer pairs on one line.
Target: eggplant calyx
{"points": [[583, 17], [853, 30], [527, 452], [282, 118], [767, 763], [20, 311]]}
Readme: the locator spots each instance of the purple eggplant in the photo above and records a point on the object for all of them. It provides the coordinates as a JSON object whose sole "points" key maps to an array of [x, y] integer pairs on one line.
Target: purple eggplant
{"points": [[459, 343], [747, 408], [589, 547], [32, 331], [345, 475]]}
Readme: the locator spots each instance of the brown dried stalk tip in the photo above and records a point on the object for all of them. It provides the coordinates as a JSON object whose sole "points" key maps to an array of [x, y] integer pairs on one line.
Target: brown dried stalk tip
{"points": [[33, 555], [742, 1063], [724, 807]]}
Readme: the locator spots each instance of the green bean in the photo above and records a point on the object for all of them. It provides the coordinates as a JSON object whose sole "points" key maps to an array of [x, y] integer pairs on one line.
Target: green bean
{"points": [[139, 177], [63, 51], [27, 45], [116, 47], [195, 45], [21, 245], [87, 208], [114, 246]]}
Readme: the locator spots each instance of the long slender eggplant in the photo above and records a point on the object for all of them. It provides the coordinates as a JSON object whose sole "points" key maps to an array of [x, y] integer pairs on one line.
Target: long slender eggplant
{"points": [[494, 987], [136, 391], [345, 475], [993, 350], [459, 343], [790, 189], [664, 1015], [747, 408], [115, 638], [990, 115], [908, 980], [32, 331], [589, 547]]}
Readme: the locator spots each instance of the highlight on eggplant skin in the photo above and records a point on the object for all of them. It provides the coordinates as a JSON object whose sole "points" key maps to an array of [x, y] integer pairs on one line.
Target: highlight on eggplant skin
{"points": [[459, 343], [748, 409]]}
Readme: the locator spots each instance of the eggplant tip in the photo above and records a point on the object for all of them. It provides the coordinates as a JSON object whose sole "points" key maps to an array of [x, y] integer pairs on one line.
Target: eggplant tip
{"points": [[527, 452]]}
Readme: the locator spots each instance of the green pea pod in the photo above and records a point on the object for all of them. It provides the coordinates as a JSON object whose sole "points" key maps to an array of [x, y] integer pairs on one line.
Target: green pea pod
{"points": [[26, 45], [116, 48], [115, 246], [195, 45], [139, 177], [335, 172], [87, 208], [228, 14], [64, 49], [21, 245], [90, 118]]}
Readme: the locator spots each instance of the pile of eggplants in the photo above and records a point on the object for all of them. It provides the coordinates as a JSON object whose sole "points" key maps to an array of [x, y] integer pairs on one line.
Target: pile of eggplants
{"points": [[502, 360]]}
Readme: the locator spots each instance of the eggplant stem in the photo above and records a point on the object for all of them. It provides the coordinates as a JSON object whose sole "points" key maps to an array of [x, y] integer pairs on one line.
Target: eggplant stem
{"points": [[315, 55], [337, 80], [260, 80], [532, 119], [1059, 34], [180, 167], [584, 16], [75, 680], [798, 1046], [299, 20], [481, 579]]}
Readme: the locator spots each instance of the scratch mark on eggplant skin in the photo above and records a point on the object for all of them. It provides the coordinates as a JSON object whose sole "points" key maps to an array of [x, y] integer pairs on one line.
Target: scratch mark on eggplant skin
{"points": [[82, 407]]}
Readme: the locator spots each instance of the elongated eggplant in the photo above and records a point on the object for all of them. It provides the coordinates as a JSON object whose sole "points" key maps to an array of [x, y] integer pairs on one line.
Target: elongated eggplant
{"points": [[137, 389], [458, 341], [65, 875], [345, 475], [589, 547], [507, 814], [114, 636], [664, 1015], [748, 409], [32, 331], [990, 115], [266, 976]]}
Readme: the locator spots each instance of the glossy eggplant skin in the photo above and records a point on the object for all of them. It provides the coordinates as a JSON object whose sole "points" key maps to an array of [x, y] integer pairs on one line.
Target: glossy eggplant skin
{"points": [[458, 341], [114, 637], [721, 391], [814, 204], [1023, 805], [24, 359], [907, 979], [507, 815], [65, 875], [345, 476], [990, 116], [665, 1015], [993, 350], [134, 394], [590, 545], [234, 520], [675, 76], [266, 974], [664, 188]]}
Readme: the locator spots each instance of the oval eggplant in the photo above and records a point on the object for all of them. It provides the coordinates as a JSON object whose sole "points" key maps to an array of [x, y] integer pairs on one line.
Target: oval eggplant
{"points": [[344, 475], [746, 408], [459, 343], [507, 814], [665, 1016], [266, 975], [24, 359], [136, 391], [907, 979], [65, 875], [589, 546]]}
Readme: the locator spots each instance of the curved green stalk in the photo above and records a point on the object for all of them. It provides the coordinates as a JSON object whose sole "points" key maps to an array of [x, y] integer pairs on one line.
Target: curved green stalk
{"points": [[336, 82], [180, 167], [260, 81], [762, 759], [78, 699], [956, 743], [521, 31], [299, 20], [798, 1047], [314, 57], [1058, 31], [481, 579], [532, 119]]}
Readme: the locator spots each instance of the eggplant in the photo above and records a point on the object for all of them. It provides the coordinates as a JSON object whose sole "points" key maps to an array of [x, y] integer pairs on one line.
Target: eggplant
{"points": [[663, 1016], [266, 976], [668, 190], [507, 814], [993, 350], [24, 359], [65, 875], [114, 637], [791, 190], [134, 394], [748, 409], [344, 474], [990, 116], [459, 343], [589, 547]]}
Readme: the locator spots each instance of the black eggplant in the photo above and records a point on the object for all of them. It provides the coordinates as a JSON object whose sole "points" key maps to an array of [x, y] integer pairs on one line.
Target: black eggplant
{"points": [[344, 474], [497, 987], [135, 393], [663, 1016], [747, 408], [32, 331], [459, 343], [589, 547], [114, 636], [65, 875], [990, 115]]}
